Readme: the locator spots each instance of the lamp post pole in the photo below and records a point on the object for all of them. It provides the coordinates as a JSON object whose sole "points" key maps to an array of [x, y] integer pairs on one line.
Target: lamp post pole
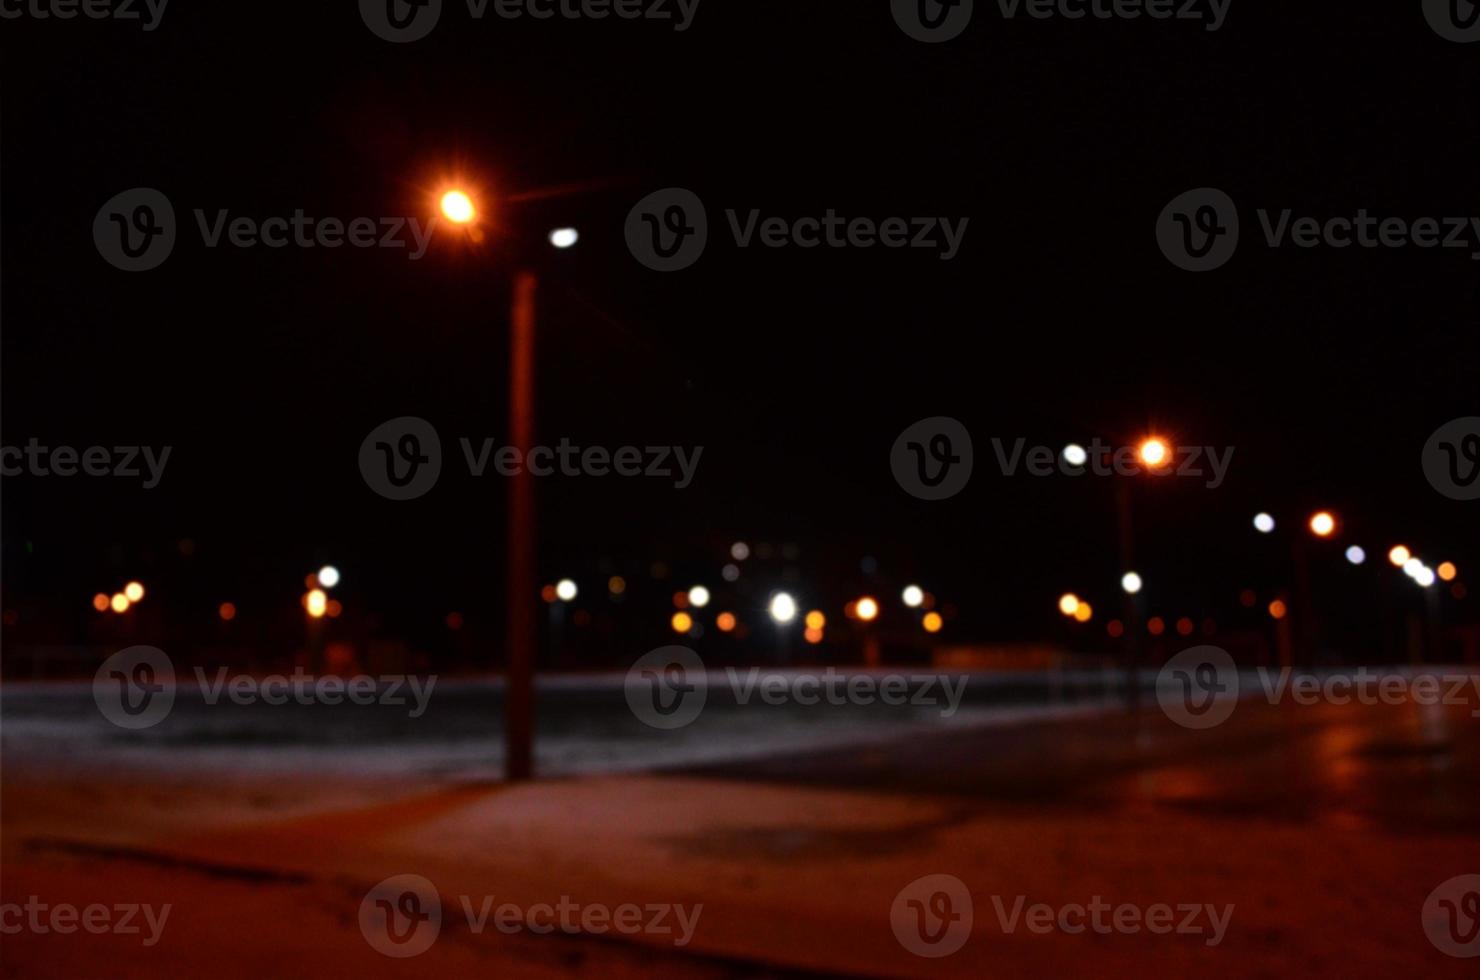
{"points": [[522, 594]]}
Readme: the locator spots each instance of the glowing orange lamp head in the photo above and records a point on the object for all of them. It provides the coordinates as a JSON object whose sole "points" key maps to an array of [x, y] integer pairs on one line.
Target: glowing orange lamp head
{"points": [[1154, 452], [457, 207]]}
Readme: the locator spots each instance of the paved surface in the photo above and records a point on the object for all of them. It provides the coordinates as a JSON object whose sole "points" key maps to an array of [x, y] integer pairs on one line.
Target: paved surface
{"points": [[1325, 828]]}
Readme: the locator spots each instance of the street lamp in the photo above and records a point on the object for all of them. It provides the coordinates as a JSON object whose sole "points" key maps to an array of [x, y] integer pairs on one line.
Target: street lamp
{"points": [[457, 207], [783, 608], [1322, 524], [522, 566], [1131, 583], [1154, 452]]}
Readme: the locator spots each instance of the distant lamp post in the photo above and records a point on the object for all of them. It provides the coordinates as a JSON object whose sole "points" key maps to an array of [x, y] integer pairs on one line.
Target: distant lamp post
{"points": [[1263, 523], [1131, 583]]}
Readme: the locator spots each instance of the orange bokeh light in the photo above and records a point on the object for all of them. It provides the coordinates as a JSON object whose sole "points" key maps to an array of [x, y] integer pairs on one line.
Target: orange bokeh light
{"points": [[457, 207], [1154, 452]]}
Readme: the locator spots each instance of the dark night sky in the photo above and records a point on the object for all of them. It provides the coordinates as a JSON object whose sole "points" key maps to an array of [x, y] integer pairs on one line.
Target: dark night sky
{"points": [[1061, 141]]}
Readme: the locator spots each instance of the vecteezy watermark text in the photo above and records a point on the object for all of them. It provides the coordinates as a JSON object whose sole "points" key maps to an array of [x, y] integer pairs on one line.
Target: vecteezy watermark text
{"points": [[136, 231], [1200, 230], [669, 229], [402, 21], [1102, 459], [1200, 687], [669, 687], [402, 917], [63, 918], [934, 21], [1104, 919], [148, 12], [402, 459], [136, 687], [119, 461]]}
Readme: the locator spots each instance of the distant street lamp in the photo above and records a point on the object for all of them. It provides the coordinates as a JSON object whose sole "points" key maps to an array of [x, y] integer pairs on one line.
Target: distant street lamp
{"points": [[1154, 452], [783, 608], [1322, 524]]}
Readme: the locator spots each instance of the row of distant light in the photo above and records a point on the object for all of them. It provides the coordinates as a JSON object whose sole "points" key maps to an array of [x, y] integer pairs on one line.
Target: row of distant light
{"points": [[316, 601], [1080, 611], [782, 608], [119, 602], [1323, 525]]}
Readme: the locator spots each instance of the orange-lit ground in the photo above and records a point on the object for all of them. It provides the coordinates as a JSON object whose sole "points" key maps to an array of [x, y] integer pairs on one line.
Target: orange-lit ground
{"points": [[1324, 827]]}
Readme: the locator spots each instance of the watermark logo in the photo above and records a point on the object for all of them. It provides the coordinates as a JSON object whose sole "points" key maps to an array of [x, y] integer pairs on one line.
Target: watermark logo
{"points": [[402, 916], [135, 688], [1454, 20], [1198, 688], [1198, 231], [1451, 459], [932, 916], [932, 459], [1451, 917], [668, 230], [667, 688], [401, 21], [933, 21], [401, 459], [64, 918], [135, 230]]}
